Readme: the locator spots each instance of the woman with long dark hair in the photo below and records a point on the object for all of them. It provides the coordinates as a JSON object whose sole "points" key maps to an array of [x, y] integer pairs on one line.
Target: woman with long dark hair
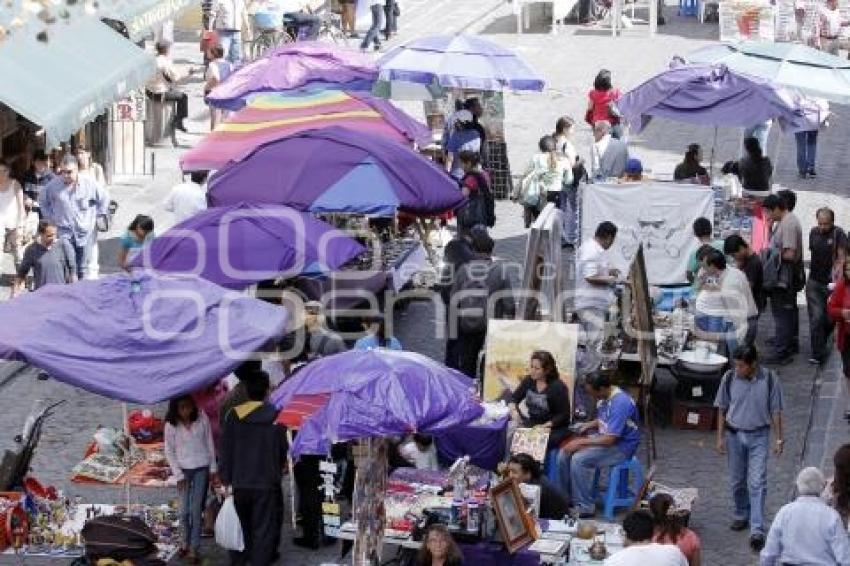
{"points": [[668, 530], [542, 399], [547, 174], [438, 548], [690, 169], [754, 169], [838, 490], [190, 453]]}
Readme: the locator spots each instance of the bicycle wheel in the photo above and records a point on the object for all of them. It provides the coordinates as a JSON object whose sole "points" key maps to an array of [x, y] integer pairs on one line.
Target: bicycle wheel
{"points": [[261, 44]]}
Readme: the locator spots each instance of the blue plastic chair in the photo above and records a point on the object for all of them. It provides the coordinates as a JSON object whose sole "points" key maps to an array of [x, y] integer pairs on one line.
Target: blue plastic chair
{"points": [[620, 492]]}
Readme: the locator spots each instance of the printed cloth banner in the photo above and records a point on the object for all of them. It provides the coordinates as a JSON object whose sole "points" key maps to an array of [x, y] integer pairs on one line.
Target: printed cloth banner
{"points": [[658, 215]]}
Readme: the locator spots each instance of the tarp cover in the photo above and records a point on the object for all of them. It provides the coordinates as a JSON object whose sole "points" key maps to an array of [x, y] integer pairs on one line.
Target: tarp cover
{"points": [[376, 393], [138, 338]]}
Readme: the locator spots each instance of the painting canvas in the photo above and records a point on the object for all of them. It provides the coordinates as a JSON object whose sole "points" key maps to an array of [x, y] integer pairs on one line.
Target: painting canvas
{"points": [[509, 347], [531, 441]]}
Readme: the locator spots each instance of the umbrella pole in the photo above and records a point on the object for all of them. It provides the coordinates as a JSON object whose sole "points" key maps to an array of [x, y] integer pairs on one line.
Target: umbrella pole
{"points": [[127, 456], [291, 468], [713, 149]]}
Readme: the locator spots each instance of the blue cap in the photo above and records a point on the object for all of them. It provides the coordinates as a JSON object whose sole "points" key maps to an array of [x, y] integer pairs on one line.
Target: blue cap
{"points": [[634, 167]]}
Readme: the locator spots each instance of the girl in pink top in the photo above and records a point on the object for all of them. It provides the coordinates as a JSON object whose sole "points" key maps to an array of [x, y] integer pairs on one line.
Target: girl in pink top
{"points": [[602, 103], [668, 530]]}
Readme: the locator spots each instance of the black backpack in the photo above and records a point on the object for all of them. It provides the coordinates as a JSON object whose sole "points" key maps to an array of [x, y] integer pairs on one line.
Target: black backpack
{"points": [[481, 206], [119, 538]]}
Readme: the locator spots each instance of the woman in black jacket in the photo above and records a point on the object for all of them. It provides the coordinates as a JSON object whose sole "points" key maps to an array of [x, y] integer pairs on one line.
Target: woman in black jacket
{"points": [[754, 169], [547, 400]]}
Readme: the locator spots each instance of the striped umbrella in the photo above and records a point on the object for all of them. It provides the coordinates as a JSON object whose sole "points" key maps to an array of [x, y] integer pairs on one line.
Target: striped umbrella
{"points": [[271, 116]]}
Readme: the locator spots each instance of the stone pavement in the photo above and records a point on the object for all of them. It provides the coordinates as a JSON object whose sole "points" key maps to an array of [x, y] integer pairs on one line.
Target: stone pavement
{"points": [[569, 61]]}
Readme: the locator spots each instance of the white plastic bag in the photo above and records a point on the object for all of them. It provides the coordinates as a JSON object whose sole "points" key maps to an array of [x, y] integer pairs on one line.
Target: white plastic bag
{"points": [[228, 529]]}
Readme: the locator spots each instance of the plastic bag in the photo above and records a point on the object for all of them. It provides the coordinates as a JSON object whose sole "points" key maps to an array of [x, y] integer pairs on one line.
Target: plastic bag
{"points": [[228, 529]]}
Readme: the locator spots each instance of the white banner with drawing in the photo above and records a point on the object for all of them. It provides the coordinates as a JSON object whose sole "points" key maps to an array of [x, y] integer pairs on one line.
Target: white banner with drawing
{"points": [[659, 215]]}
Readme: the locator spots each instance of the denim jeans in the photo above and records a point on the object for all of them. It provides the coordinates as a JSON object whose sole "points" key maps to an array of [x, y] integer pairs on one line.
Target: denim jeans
{"points": [[231, 42], [569, 204], [374, 31], [752, 330], [783, 305], [576, 472], [820, 326], [81, 256], [747, 456], [807, 147], [192, 509], [392, 23]]}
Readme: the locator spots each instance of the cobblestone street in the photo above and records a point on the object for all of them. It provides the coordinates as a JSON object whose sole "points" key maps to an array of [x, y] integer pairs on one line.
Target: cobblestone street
{"points": [[814, 398]]}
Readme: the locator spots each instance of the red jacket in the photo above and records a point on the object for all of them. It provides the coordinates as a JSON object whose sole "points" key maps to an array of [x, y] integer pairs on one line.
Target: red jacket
{"points": [[838, 301]]}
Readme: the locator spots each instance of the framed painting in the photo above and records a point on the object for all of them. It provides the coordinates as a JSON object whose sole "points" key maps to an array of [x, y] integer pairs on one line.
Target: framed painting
{"points": [[514, 523]]}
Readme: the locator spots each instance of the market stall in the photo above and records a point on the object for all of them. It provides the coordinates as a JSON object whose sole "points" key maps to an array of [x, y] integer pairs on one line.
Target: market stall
{"points": [[173, 335], [461, 66]]}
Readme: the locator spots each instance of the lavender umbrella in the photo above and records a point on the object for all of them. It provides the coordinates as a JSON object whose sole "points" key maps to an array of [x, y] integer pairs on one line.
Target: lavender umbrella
{"points": [[374, 393], [237, 246], [139, 338], [714, 96], [337, 170], [304, 64], [457, 61]]}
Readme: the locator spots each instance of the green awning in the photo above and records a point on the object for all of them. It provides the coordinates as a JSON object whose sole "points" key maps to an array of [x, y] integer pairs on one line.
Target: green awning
{"points": [[140, 16], [65, 83]]}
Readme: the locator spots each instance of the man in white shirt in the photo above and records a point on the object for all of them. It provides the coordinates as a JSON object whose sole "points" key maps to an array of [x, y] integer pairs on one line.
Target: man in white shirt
{"points": [[608, 156], [187, 199], [807, 530], [724, 295], [594, 281], [640, 550]]}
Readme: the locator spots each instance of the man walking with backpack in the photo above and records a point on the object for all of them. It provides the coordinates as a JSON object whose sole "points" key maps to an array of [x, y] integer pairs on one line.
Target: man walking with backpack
{"points": [[482, 288], [749, 403]]}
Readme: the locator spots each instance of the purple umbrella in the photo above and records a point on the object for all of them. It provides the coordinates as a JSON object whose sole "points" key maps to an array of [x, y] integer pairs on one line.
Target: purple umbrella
{"points": [[237, 246], [374, 393], [139, 338], [337, 170], [714, 96], [304, 64]]}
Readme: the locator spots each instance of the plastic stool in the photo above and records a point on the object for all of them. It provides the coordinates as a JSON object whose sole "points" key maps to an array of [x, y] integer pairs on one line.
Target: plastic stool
{"points": [[550, 466], [619, 493], [688, 7]]}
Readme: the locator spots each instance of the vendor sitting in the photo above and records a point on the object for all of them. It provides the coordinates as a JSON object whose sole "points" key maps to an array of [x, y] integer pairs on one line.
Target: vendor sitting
{"points": [[545, 398], [525, 469], [615, 441], [634, 171], [690, 169]]}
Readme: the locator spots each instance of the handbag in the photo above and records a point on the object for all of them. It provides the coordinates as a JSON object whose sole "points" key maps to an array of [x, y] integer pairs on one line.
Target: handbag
{"points": [[529, 194]]}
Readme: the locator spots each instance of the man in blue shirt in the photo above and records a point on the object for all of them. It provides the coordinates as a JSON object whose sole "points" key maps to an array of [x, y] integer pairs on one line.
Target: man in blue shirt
{"points": [[615, 440], [73, 202]]}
